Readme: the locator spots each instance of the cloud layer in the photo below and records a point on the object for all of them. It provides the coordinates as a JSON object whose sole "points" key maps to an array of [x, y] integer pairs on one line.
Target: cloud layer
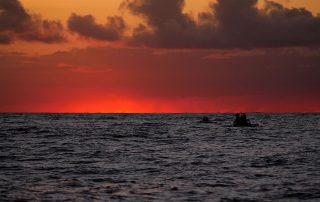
{"points": [[229, 24], [17, 23], [274, 80]]}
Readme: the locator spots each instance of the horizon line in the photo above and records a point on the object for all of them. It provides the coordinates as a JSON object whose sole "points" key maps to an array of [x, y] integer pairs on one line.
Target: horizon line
{"points": [[231, 112]]}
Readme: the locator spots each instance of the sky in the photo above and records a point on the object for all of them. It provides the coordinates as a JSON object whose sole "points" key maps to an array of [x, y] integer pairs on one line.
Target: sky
{"points": [[163, 56]]}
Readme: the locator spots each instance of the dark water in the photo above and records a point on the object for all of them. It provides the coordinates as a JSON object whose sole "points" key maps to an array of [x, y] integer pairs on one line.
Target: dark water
{"points": [[132, 157]]}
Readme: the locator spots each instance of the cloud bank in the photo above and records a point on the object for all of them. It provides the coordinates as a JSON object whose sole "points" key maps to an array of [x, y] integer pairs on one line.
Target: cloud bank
{"points": [[17, 23], [229, 24]]}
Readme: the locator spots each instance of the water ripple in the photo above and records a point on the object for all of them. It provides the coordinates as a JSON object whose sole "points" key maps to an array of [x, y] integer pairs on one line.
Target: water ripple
{"points": [[159, 157]]}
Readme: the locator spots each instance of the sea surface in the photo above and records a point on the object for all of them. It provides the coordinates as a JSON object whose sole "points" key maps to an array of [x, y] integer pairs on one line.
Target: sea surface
{"points": [[159, 157]]}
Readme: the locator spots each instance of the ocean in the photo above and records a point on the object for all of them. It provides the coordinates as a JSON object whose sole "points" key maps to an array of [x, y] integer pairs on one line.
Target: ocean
{"points": [[159, 157]]}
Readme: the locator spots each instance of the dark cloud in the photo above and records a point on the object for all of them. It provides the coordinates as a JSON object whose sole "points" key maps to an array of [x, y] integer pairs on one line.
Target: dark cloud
{"points": [[13, 16], [5, 39], [44, 31], [170, 26], [87, 27], [16, 23], [159, 13], [229, 24]]}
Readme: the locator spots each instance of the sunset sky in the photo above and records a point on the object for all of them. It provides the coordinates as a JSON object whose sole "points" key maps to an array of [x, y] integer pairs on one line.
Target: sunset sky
{"points": [[159, 56]]}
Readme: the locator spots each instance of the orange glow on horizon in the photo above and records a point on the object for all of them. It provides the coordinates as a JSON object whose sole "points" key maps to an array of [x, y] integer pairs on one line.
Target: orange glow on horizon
{"points": [[195, 105]]}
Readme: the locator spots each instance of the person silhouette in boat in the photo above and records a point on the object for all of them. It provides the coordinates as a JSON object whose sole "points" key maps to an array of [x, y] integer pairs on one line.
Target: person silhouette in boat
{"points": [[205, 119], [241, 120], [237, 118], [244, 119]]}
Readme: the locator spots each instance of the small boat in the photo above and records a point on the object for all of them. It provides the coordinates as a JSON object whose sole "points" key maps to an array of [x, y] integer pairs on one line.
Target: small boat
{"points": [[248, 124], [205, 119]]}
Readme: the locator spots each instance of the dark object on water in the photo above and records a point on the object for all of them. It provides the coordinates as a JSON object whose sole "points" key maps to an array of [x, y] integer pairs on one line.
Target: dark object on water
{"points": [[205, 119], [242, 121]]}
